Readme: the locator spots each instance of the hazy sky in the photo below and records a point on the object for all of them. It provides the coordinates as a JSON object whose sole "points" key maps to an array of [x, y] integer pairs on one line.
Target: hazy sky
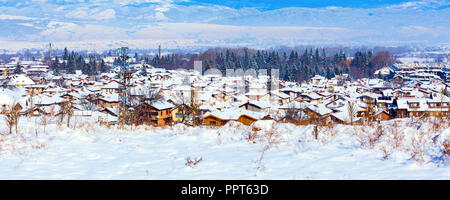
{"points": [[260, 23]]}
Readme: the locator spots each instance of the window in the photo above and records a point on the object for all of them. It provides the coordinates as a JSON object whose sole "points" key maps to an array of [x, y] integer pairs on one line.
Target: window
{"points": [[414, 105]]}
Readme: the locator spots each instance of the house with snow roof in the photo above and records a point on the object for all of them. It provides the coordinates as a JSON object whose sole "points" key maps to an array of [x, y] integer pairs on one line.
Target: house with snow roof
{"points": [[20, 80], [256, 106], [280, 97], [111, 87], [108, 100], [36, 89], [309, 97], [157, 113], [319, 112], [418, 107]]}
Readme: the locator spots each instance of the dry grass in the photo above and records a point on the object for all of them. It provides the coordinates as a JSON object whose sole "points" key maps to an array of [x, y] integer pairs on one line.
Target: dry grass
{"points": [[446, 150], [387, 151], [193, 163]]}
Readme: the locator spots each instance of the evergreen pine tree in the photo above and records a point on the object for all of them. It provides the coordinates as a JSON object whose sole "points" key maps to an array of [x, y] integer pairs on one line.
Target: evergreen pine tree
{"points": [[18, 69]]}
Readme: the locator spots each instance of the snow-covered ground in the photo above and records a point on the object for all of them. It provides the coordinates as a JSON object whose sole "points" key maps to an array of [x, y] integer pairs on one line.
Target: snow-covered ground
{"points": [[415, 59], [279, 151]]}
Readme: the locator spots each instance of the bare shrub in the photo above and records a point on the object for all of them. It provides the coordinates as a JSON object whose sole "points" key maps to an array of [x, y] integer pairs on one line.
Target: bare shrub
{"points": [[253, 134], [397, 136], [417, 147], [193, 163], [272, 138], [387, 151], [374, 138], [361, 136], [327, 132]]}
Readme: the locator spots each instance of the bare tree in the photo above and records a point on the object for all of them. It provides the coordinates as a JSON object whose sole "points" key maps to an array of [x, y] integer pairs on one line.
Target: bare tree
{"points": [[294, 114], [153, 96], [86, 104], [194, 106], [184, 109], [67, 108], [11, 115], [369, 113], [30, 110], [351, 109], [44, 121], [383, 59], [443, 97]]}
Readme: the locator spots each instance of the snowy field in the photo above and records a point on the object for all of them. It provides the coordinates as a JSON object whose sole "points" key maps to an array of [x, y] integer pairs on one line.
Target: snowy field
{"points": [[265, 150]]}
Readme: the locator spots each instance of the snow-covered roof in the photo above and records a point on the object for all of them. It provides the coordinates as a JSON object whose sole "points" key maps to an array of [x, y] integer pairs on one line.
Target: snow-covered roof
{"points": [[260, 104], [162, 105], [112, 85], [423, 104], [320, 109], [20, 79], [345, 116], [234, 114], [312, 95], [110, 97], [280, 94], [47, 100]]}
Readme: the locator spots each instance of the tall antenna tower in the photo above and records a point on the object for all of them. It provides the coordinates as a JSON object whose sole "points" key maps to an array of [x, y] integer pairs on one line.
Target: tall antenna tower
{"points": [[159, 52], [50, 51], [125, 73]]}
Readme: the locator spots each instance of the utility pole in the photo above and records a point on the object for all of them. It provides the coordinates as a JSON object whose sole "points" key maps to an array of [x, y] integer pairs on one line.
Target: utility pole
{"points": [[125, 73]]}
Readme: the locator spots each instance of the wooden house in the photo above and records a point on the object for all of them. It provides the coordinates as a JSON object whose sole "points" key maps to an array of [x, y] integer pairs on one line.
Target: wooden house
{"points": [[157, 113]]}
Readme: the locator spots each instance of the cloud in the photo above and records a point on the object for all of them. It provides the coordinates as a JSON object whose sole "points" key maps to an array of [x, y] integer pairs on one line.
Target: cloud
{"points": [[159, 16], [420, 4], [87, 20], [96, 13], [15, 17]]}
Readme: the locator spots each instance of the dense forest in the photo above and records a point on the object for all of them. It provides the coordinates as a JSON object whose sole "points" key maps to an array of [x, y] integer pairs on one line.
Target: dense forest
{"points": [[75, 61], [293, 64]]}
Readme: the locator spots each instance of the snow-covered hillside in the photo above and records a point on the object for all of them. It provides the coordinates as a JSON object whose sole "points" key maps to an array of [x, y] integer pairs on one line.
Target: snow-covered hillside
{"points": [[264, 150]]}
